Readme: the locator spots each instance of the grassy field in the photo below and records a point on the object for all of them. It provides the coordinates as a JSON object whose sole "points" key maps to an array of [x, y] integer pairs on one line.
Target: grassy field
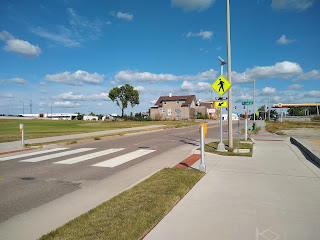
{"points": [[213, 146], [133, 213], [9, 128], [277, 127]]}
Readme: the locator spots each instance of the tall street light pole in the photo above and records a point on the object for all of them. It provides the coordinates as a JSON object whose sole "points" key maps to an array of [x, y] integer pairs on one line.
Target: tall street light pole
{"points": [[254, 100], [230, 138], [221, 146]]}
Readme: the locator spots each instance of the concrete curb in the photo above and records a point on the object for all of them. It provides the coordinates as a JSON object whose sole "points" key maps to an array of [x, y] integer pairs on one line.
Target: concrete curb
{"points": [[307, 148]]}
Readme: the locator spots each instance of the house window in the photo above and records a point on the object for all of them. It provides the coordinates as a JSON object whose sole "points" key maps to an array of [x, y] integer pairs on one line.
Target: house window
{"points": [[162, 110], [164, 102], [178, 101]]}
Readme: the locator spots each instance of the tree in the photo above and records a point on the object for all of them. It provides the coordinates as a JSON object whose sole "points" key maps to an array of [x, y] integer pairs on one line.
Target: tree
{"points": [[124, 95], [296, 111], [79, 116]]}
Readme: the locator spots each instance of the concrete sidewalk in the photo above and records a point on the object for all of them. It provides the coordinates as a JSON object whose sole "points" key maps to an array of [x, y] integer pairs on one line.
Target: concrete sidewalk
{"points": [[273, 195], [16, 145]]}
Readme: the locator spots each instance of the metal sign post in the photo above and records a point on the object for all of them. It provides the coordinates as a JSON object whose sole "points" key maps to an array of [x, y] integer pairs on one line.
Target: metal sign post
{"points": [[238, 131], [202, 163], [221, 147], [246, 127], [22, 136]]}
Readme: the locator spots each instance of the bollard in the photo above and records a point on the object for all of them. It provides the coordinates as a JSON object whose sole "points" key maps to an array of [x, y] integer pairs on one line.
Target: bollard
{"points": [[202, 163], [22, 134]]}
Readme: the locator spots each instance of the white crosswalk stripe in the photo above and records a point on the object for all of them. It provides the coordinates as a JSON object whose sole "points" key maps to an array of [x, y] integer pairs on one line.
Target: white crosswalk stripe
{"points": [[89, 156], [56, 155], [31, 154], [123, 159]]}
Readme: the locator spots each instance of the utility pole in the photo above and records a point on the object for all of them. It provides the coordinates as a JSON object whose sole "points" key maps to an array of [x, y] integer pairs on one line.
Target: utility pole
{"points": [[230, 137], [30, 104], [269, 107]]}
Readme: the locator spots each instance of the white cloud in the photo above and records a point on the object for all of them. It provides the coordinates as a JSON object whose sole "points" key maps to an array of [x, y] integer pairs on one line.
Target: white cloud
{"points": [[244, 98], [14, 80], [108, 22], [315, 94], [199, 87], [76, 78], [282, 70], [268, 91], [299, 5], [43, 83], [5, 35], [70, 96], [101, 96], [43, 104], [190, 5], [276, 98], [43, 91], [284, 41], [312, 75], [113, 82], [23, 48], [79, 29], [295, 87], [140, 89], [6, 95], [65, 104], [125, 16], [131, 76], [99, 104], [153, 102], [206, 35], [64, 36], [203, 76]]}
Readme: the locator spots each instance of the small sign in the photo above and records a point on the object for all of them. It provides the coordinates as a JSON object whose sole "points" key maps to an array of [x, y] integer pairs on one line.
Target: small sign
{"points": [[204, 129], [21, 127], [221, 104], [247, 103], [211, 110], [221, 85]]}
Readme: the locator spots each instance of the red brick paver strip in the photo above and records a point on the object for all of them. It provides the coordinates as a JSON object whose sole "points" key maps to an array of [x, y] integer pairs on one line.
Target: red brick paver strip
{"points": [[188, 162], [269, 140], [27, 149]]}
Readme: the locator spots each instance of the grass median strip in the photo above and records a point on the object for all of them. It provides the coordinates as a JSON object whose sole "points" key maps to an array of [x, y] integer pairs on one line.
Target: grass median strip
{"points": [[133, 213], [9, 128], [213, 146]]}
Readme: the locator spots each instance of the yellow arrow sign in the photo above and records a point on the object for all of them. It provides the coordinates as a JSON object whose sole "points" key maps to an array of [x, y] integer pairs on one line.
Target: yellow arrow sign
{"points": [[221, 85], [221, 104]]}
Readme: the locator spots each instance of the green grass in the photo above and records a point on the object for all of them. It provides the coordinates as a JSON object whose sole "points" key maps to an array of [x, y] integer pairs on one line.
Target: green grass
{"points": [[277, 127], [213, 146], [133, 213], [250, 131], [9, 128]]}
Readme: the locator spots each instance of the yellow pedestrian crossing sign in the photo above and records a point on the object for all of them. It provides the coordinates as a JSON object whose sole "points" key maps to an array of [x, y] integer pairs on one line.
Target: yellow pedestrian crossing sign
{"points": [[221, 103], [221, 85]]}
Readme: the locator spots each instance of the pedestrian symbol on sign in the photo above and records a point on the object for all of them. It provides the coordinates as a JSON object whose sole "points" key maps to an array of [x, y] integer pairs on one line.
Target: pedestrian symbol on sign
{"points": [[221, 85]]}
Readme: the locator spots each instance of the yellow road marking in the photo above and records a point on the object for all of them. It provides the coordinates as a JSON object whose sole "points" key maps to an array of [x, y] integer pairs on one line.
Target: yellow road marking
{"points": [[137, 144], [215, 126]]}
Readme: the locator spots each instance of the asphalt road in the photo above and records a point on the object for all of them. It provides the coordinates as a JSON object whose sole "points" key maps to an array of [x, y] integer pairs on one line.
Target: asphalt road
{"points": [[26, 184]]}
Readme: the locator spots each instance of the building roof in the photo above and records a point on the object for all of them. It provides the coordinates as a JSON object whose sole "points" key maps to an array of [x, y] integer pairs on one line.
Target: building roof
{"points": [[188, 99]]}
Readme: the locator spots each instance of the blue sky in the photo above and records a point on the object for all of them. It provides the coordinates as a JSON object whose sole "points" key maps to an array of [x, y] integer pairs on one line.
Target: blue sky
{"points": [[71, 53]]}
